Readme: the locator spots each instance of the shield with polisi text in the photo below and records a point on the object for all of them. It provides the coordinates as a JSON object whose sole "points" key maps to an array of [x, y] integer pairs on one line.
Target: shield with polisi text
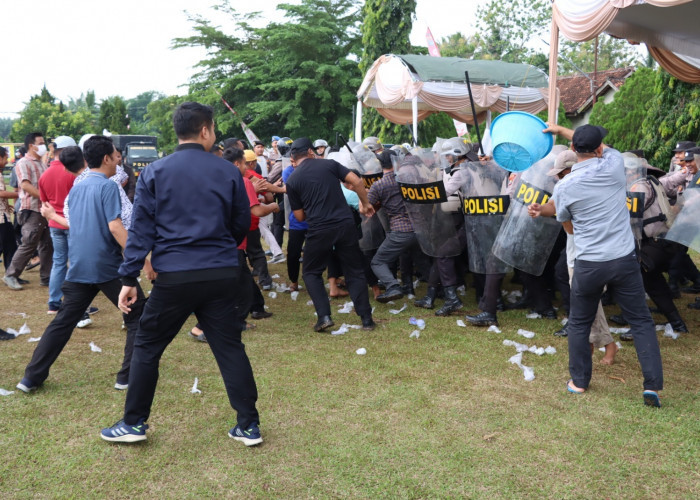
{"points": [[686, 229], [420, 183], [523, 242], [636, 173], [484, 208]]}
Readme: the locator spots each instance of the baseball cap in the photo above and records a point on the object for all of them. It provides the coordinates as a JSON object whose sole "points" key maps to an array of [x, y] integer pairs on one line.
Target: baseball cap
{"points": [[301, 145], [255, 143], [63, 141], [565, 159], [691, 153], [683, 146], [588, 137], [249, 155]]}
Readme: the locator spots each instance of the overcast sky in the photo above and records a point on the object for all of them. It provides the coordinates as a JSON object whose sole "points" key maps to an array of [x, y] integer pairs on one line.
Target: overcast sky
{"points": [[123, 47]]}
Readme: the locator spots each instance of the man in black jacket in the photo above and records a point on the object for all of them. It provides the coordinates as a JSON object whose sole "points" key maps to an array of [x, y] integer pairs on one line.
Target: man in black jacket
{"points": [[194, 251]]}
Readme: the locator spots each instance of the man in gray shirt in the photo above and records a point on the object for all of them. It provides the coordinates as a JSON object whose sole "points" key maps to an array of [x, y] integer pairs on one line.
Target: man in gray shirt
{"points": [[591, 203]]}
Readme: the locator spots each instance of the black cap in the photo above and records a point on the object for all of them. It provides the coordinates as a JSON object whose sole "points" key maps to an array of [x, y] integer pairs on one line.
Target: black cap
{"points": [[301, 145], [587, 138], [690, 153], [255, 143], [683, 146]]}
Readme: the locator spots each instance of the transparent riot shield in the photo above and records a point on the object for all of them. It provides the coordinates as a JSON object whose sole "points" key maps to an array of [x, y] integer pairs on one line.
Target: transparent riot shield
{"points": [[636, 172], [372, 233], [345, 158], [484, 209], [686, 226], [523, 242], [420, 182], [369, 166]]}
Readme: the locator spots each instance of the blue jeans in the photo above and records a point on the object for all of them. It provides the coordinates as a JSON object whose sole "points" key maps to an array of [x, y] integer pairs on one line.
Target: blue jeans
{"points": [[59, 237]]}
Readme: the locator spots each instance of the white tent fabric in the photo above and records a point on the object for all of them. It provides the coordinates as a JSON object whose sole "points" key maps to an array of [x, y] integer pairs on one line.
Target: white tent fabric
{"points": [[667, 27], [392, 88]]}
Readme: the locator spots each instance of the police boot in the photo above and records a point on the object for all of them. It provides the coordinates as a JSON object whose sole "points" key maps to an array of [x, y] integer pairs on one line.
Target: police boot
{"points": [[677, 322], [427, 302], [482, 319], [407, 287], [452, 302]]}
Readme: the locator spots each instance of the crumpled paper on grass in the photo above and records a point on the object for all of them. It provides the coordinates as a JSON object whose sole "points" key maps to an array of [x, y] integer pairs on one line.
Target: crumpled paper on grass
{"points": [[345, 328], [347, 308], [420, 323], [525, 333], [361, 351], [3, 392], [94, 348], [194, 389], [398, 311]]}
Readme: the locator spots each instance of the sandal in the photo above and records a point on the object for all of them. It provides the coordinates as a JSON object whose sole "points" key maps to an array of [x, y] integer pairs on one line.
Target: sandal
{"points": [[573, 389], [199, 338], [651, 398]]}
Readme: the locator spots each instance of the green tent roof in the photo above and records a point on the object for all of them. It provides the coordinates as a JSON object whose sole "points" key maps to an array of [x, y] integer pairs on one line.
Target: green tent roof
{"points": [[451, 69]]}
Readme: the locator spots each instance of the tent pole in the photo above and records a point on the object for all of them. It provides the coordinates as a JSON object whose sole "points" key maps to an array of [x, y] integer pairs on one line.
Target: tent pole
{"points": [[358, 122], [553, 57], [414, 106]]}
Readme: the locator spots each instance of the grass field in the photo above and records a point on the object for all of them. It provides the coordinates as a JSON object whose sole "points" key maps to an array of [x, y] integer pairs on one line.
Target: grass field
{"points": [[441, 416]]}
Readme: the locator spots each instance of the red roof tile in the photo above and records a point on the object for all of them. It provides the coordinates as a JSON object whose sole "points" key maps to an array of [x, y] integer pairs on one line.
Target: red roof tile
{"points": [[575, 90]]}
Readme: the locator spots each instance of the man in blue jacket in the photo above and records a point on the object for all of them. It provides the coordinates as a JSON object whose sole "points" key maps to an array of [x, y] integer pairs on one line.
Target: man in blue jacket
{"points": [[194, 252]]}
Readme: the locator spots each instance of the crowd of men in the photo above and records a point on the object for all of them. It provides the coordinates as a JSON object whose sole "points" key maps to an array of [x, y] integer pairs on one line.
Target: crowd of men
{"points": [[372, 219]]}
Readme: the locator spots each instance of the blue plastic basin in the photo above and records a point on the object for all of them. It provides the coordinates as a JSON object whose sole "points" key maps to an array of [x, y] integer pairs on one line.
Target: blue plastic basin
{"points": [[518, 141]]}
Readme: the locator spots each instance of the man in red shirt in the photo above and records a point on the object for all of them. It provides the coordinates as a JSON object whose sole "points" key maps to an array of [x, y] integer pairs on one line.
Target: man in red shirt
{"points": [[54, 185]]}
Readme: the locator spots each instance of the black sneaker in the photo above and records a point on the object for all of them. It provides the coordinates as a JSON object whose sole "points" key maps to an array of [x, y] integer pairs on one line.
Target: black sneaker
{"points": [[482, 319], [561, 333], [618, 319], [6, 336], [260, 314], [392, 293], [627, 336], [323, 323], [123, 433], [548, 314], [249, 437], [368, 323]]}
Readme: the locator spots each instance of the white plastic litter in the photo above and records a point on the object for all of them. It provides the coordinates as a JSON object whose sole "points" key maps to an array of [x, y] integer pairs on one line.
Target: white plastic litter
{"points": [[619, 330], [361, 351], [525, 333], [346, 309], [661, 328], [564, 321], [508, 342], [398, 311], [533, 316], [3, 392], [391, 302], [281, 287], [94, 348], [461, 323], [420, 323], [33, 339], [410, 296], [494, 329], [345, 328], [194, 389], [528, 373], [272, 295], [416, 283], [516, 359], [668, 332], [12, 331], [24, 330], [275, 276], [619, 346], [295, 295], [550, 350], [414, 334], [462, 290], [309, 302], [373, 310]]}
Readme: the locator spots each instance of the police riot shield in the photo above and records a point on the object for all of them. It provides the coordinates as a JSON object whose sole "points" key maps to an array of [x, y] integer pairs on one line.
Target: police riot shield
{"points": [[420, 183], [345, 158], [484, 209], [686, 225], [372, 232], [523, 242], [369, 166], [636, 172]]}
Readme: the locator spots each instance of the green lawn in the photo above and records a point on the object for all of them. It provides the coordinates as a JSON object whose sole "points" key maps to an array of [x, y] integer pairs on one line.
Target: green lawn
{"points": [[441, 416]]}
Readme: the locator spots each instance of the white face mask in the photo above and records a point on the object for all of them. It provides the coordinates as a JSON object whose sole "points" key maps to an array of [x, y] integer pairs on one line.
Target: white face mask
{"points": [[41, 150]]}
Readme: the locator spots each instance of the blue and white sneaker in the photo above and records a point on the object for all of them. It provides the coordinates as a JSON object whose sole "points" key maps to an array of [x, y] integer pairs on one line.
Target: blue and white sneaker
{"points": [[249, 437], [27, 386], [123, 433], [92, 310]]}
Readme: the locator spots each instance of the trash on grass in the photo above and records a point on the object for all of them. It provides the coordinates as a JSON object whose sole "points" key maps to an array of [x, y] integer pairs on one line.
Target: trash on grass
{"points": [[272, 295], [361, 351], [461, 323], [194, 389], [33, 339], [494, 329], [295, 295], [525, 333], [397, 311], [414, 334], [420, 323], [346, 309], [94, 347], [668, 332]]}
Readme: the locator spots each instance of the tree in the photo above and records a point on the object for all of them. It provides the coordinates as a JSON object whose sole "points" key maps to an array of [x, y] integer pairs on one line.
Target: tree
{"points": [[612, 53], [458, 45], [159, 117], [672, 115], [623, 117], [113, 115], [137, 108], [296, 78], [5, 127], [43, 114]]}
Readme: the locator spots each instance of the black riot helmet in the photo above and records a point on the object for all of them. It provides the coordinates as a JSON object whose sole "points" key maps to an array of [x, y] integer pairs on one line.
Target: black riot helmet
{"points": [[284, 146]]}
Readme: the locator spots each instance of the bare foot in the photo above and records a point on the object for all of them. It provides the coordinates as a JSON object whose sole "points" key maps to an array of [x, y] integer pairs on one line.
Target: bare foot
{"points": [[337, 292], [572, 388], [376, 291], [610, 351]]}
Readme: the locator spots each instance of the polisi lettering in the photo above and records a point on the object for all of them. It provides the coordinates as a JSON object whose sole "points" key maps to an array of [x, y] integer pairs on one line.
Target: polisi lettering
{"points": [[528, 194], [423, 193], [486, 205]]}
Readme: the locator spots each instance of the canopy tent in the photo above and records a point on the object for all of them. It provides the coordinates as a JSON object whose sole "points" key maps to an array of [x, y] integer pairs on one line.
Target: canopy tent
{"points": [[406, 89], [667, 27]]}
